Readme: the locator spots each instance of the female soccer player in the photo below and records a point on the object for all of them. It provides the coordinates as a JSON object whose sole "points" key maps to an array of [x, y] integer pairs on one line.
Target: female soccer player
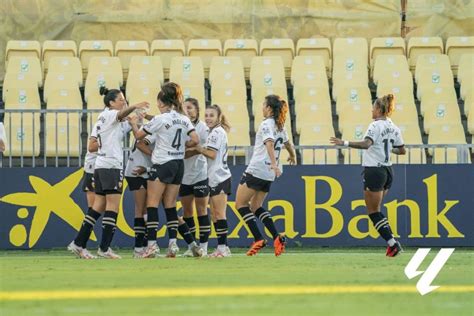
{"points": [[171, 129], [381, 138], [195, 189], [219, 174], [108, 171], [261, 172]]}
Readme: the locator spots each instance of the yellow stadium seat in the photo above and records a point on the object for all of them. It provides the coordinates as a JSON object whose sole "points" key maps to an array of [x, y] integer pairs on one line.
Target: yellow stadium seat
{"points": [[69, 66], [63, 134], [237, 136], [187, 71], [146, 64], [405, 113], [267, 71], [22, 49], [19, 98], [206, 49], [310, 95], [57, 49], [394, 77], [309, 71], [64, 99], [466, 66], [467, 86], [469, 110], [22, 130], [435, 63], [456, 46], [430, 79], [125, 50], [138, 81], [422, 45], [386, 46], [58, 81], [230, 94], [354, 132], [30, 67], [445, 94], [388, 63], [351, 113], [111, 65], [411, 136], [354, 47], [403, 92], [166, 50], [283, 47], [312, 113], [226, 72], [441, 114], [89, 49], [349, 71], [18, 81], [92, 87], [353, 95], [246, 49], [317, 134], [446, 134], [316, 47]]}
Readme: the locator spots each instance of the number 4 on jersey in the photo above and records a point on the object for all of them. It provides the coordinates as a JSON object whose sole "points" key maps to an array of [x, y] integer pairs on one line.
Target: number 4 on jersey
{"points": [[176, 144]]}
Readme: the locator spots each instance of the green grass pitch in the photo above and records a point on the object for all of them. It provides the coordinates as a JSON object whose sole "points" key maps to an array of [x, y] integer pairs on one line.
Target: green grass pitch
{"points": [[339, 281]]}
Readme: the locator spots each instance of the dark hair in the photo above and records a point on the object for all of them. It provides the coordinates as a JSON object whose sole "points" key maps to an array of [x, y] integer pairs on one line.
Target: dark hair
{"points": [[386, 104], [221, 118], [194, 102], [171, 95], [109, 95], [279, 108]]}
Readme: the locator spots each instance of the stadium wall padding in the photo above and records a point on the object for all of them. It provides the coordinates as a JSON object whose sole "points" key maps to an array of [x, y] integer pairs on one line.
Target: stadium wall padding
{"points": [[155, 19], [427, 206]]}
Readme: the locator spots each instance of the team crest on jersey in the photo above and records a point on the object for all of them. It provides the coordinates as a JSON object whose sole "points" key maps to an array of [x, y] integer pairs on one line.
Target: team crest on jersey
{"points": [[265, 130]]}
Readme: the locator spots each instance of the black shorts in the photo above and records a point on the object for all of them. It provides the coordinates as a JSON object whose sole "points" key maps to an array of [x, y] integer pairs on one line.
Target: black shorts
{"points": [[108, 181], [377, 179], [136, 183], [199, 189], [255, 183], [170, 172], [223, 187], [88, 184]]}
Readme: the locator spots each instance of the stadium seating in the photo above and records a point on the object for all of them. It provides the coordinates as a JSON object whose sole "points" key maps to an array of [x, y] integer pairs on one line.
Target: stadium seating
{"points": [[110, 65], [354, 132], [206, 49], [53, 49], [22, 49], [246, 49], [283, 47], [435, 63], [456, 46], [466, 64], [237, 136], [386, 46], [92, 87], [166, 50], [309, 71], [430, 80], [441, 113], [68, 66], [411, 136], [89, 49], [405, 113], [446, 134], [29, 67], [354, 112], [388, 63], [58, 81], [422, 45], [189, 73], [445, 94], [349, 71], [317, 134], [353, 95], [125, 50], [308, 113], [469, 110], [467, 86], [316, 47], [351, 47]]}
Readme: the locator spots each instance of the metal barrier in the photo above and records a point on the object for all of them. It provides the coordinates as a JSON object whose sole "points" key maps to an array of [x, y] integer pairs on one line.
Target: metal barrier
{"points": [[319, 154]]}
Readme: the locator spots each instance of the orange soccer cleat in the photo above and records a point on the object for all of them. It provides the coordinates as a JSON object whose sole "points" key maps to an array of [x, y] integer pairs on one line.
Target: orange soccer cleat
{"points": [[256, 247]]}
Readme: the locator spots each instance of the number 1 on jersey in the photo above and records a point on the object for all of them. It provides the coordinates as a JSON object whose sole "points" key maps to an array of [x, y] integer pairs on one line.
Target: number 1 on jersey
{"points": [[177, 140], [385, 147]]}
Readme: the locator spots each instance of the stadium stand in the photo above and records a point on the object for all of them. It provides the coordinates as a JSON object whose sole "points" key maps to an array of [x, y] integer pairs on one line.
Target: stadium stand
{"points": [[316, 47], [167, 49], [125, 50], [246, 49], [456, 47], [283, 47], [89, 49], [53, 49], [423, 45], [206, 49], [22, 49]]}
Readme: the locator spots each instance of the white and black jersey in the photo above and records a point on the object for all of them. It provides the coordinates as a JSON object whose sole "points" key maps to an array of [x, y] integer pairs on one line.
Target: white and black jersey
{"points": [[195, 167], [385, 135], [171, 130], [3, 135], [139, 159], [217, 169], [260, 163], [110, 137], [89, 159]]}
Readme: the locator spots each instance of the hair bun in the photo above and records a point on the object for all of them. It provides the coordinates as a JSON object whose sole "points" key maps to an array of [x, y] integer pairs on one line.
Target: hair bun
{"points": [[103, 90]]}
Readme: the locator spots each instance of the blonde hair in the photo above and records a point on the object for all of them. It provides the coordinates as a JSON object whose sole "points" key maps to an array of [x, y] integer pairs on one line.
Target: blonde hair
{"points": [[386, 104]]}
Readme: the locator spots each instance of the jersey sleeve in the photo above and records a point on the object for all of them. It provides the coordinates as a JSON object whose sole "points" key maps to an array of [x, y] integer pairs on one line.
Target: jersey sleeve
{"points": [[153, 126], [94, 131], [112, 116], [150, 139], [286, 139], [190, 126], [371, 132], [2, 132], [398, 141], [214, 140], [267, 132]]}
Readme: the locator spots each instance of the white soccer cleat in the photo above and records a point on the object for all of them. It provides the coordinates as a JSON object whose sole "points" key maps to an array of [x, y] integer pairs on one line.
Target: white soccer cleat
{"points": [[151, 251], [196, 250], [85, 254], [221, 253], [75, 249], [138, 254], [173, 250], [109, 254], [188, 253]]}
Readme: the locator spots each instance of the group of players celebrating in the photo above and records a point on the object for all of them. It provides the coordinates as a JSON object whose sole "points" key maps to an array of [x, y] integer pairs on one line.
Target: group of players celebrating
{"points": [[177, 154]]}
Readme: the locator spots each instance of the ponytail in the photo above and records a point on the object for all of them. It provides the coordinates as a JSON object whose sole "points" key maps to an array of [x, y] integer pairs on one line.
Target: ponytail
{"points": [[109, 95], [221, 118], [386, 104], [171, 95], [279, 108]]}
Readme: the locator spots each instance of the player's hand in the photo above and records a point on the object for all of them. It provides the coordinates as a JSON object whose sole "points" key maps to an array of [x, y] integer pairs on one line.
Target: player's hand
{"points": [[133, 119], [276, 170], [138, 171], [142, 105], [336, 141], [291, 160]]}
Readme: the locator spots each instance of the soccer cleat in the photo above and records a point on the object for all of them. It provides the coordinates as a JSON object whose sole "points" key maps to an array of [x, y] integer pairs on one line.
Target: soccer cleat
{"points": [[279, 244], [151, 251], [138, 254], [85, 254], [188, 253], [75, 249], [109, 254], [196, 250], [173, 250], [218, 253], [394, 250], [256, 247]]}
